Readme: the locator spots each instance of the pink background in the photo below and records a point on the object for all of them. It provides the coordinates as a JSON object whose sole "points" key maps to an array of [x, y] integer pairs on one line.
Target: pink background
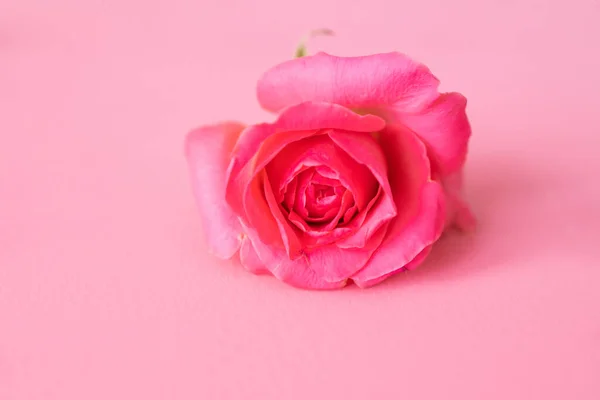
{"points": [[106, 291]]}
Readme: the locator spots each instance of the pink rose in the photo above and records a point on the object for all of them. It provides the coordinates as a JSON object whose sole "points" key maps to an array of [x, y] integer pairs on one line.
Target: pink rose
{"points": [[356, 179]]}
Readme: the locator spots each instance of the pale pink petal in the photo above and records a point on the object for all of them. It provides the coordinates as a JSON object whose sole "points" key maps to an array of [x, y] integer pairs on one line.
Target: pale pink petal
{"points": [[354, 82], [411, 265], [422, 212], [249, 259], [208, 150], [443, 127]]}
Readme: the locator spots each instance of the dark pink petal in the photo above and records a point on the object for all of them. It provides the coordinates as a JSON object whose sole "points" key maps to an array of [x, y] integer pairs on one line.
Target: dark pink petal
{"points": [[369, 221], [421, 205], [240, 175], [320, 150], [333, 264], [315, 238], [327, 218], [294, 272], [326, 233], [354, 82], [350, 212], [357, 222], [302, 119], [290, 239], [366, 150], [304, 179], [259, 216], [322, 200], [405, 241], [208, 151], [290, 194], [326, 181], [327, 172]]}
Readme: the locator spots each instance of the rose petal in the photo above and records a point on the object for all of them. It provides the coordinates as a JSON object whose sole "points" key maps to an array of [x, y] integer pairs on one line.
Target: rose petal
{"points": [[334, 264], [304, 179], [366, 150], [294, 272], [290, 194], [421, 216], [249, 259], [354, 82], [320, 150], [303, 119], [357, 222], [368, 221], [322, 200], [444, 128], [258, 214], [326, 233], [290, 239], [351, 212], [411, 265], [391, 85], [208, 151]]}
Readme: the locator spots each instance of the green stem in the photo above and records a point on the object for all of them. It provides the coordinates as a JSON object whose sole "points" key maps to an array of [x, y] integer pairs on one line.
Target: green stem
{"points": [[301, 49]]}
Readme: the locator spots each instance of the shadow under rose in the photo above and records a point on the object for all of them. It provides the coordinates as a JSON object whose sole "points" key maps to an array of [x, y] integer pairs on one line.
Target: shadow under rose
{"points": [[512, 202]]}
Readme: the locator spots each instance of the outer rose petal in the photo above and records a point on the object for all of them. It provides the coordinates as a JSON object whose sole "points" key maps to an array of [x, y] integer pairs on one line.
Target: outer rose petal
{"points": [[208, 152], [444, 128], [293, 272], [421, 203], [333, 264], [249, 258], [354, 82], [390, 84], [413, 264]]}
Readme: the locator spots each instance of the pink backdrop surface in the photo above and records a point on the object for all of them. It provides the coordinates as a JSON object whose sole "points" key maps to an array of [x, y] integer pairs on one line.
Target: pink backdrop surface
{"points": [[106, 290]]}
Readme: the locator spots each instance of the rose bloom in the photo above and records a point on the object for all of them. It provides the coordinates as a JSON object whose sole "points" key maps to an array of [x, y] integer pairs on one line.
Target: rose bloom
{"points": [[355, 180]]}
